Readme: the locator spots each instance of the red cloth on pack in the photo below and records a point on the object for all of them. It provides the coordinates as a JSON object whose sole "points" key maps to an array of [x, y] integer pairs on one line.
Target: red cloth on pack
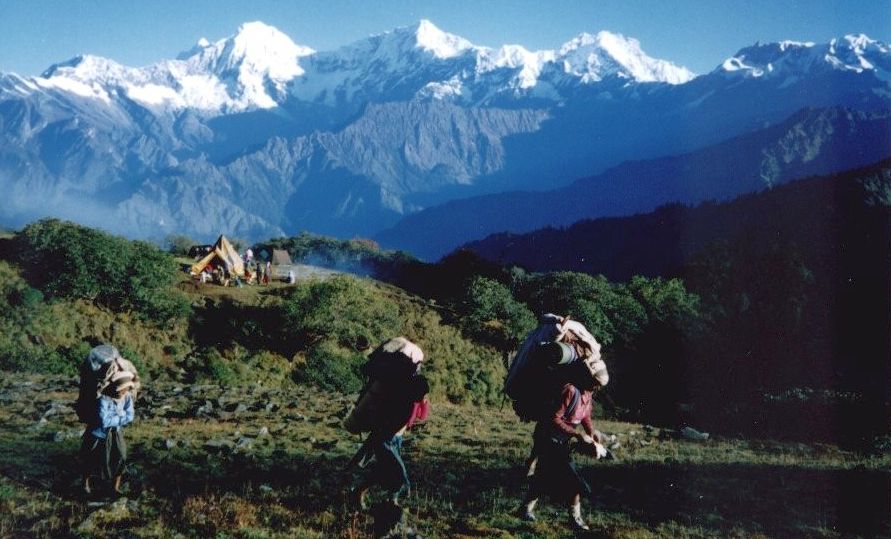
{"points": [[419, 412]]}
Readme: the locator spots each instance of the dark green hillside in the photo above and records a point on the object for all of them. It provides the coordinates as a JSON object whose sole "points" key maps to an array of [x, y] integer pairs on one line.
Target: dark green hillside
{"points": [[676, 347], [795, 284], [808, 211]]}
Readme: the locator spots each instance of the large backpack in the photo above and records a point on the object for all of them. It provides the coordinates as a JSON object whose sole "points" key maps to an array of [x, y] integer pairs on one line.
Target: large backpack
{"points": [[535, 390], [392, 386]]}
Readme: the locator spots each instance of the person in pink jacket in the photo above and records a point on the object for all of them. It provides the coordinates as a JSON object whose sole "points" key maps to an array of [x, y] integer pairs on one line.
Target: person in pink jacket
{"points": [[554, 473]]}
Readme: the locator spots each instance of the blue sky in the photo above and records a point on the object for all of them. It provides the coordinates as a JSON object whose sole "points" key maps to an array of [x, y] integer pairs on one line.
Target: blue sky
{"points": [[697, 34]]}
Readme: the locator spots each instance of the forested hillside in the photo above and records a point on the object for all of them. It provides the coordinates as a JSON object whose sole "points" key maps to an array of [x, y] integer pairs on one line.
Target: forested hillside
{"points": [[794, 282]]}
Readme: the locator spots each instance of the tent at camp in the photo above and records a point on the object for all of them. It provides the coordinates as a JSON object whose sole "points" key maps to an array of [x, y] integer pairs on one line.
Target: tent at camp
{"points": [[222, 254], [280, 257]]}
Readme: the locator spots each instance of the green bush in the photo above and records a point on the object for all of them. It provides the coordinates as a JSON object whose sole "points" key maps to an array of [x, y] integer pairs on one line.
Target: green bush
{"points": [[607, 310], [333, 367], [66, 260], [219, 369], [178, 244], [489, 313], [333, 323], [344, 309], [40, 360]]}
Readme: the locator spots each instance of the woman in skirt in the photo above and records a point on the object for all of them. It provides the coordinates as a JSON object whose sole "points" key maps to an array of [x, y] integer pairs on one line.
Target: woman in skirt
{"points": [[104, 450]]}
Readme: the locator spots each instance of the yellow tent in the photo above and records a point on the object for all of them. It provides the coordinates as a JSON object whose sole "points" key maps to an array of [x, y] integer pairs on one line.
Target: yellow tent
{"points": [[222, 253]]}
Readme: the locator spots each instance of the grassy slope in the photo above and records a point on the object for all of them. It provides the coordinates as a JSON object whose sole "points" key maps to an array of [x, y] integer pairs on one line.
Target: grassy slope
{"points": [[465, 464]]}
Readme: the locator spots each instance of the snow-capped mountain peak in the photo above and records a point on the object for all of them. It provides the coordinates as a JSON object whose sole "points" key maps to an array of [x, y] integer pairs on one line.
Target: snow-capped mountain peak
{"points": [[86, 68], [256, 49], [441, 44], [202, 44], [860, 43], [595, 57], [235, 73], [792, 59]]}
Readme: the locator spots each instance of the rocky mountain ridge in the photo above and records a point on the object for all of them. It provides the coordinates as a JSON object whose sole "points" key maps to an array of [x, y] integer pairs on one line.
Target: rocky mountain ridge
{"points": [[258, 136]]}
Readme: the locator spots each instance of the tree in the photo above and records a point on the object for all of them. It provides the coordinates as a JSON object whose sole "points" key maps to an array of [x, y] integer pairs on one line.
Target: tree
{"points": [[178, 244], [490, 313], [67, 260], [608, 311]]}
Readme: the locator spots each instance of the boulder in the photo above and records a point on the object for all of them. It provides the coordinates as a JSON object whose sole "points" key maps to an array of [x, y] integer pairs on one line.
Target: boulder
{"points": [[694, 435]]}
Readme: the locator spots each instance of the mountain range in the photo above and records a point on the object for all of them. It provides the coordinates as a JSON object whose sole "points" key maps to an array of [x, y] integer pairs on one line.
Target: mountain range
{"points": [[257, 136], [822, 219], [810, 142]]}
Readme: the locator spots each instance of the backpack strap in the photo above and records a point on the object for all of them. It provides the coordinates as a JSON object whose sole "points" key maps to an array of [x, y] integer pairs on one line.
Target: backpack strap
{"points": [[576, 395]]}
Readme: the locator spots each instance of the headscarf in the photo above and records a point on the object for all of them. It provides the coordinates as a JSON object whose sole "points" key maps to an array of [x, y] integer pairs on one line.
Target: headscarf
{"points": [[101, 355]]}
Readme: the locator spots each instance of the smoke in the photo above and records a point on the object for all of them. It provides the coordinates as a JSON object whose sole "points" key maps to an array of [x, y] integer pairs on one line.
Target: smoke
{"points": [[347, 263]]}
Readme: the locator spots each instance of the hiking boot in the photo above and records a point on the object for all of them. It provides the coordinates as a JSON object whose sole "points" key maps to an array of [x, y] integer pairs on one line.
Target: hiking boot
{"points": [[526, 514], [578, 523]]}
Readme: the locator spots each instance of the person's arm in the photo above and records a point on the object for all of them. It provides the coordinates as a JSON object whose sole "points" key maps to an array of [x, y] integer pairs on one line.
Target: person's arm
{"points": [[129, 412], [110, 416], [588, 426]]}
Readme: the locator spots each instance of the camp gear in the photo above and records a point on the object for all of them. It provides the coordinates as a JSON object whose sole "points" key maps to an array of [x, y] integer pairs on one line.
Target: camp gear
{"points": [[280, 267], [280, 257], [223, 254], [548, 330], [581, 333], [101, 355], [367, 407], [107, 375], [597, 369]]}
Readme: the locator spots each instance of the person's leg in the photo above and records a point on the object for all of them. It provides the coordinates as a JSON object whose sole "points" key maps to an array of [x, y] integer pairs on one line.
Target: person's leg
{"points": [[527, 510], [372, 451], [87, 460], [575, 513], [395, 478], [536, 478]]}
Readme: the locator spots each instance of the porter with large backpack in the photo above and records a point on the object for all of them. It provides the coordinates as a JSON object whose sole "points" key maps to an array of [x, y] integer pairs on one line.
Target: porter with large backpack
{"points": [[393, 388], [544, 364]]}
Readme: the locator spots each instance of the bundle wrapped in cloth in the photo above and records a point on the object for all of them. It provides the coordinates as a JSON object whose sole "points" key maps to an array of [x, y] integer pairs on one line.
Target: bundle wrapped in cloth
{"points": [[103, 367], [107, 363]]}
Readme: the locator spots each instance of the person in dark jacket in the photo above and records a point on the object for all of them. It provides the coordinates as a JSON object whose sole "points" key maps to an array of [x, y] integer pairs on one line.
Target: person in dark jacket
{"points": [[398, 392], [551, 469]]}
